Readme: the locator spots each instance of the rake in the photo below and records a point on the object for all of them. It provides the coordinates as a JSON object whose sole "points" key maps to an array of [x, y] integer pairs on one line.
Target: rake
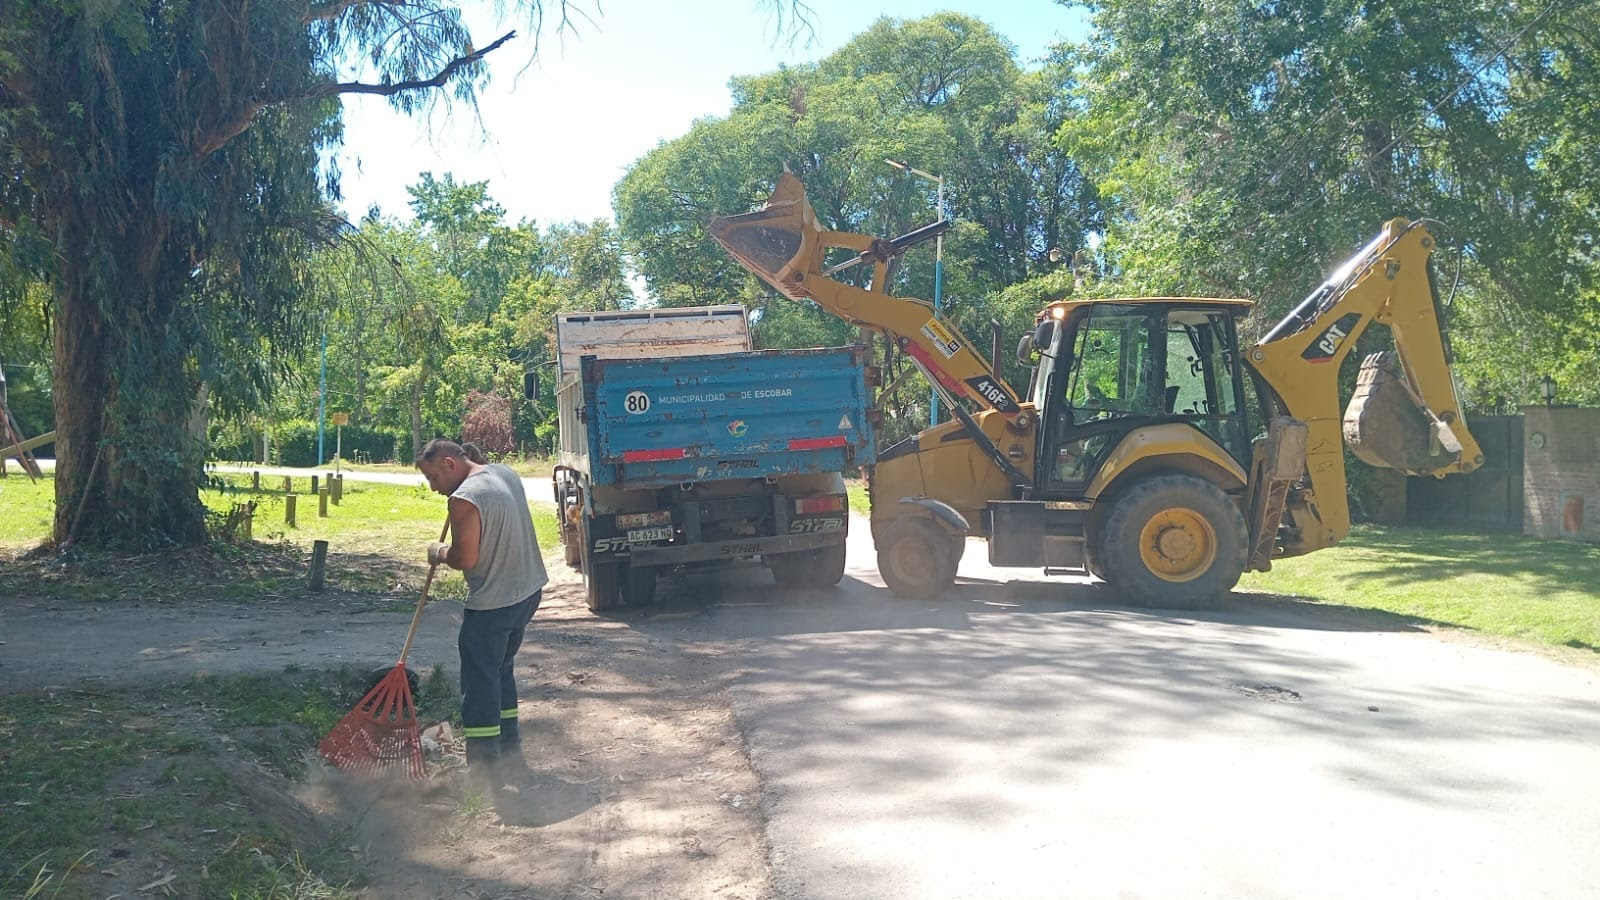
{"points": [[383, 729]]}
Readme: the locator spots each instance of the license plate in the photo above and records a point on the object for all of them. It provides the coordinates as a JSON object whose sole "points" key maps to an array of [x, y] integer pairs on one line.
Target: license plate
{"points": [[644, 535]]}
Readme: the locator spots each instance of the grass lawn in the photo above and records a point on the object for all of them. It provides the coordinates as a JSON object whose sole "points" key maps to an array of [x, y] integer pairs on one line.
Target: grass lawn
{"points": [[88, 778], [1502, 584], [375, 536]]}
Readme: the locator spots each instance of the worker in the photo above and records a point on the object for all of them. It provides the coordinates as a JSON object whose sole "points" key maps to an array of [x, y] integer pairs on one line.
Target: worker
{"points": [[492, 542]]}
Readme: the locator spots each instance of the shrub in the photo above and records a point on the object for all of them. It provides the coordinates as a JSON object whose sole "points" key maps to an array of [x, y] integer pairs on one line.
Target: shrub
{"points": [[488, 422]]}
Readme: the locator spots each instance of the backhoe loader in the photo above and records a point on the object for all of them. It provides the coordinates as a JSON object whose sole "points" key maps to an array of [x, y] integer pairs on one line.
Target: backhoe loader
{"points": [[1135, 455]]}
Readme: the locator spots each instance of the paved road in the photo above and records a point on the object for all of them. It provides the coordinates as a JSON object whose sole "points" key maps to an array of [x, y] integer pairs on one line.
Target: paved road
{"points": [[1036, 739]]}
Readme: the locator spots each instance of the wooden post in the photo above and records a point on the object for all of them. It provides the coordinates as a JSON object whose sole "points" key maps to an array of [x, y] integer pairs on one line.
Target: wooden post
{"points": [[288, 485], [255, 481], [313, 484], [322, 503], [336, 482], [319, 562], [288, 509]]}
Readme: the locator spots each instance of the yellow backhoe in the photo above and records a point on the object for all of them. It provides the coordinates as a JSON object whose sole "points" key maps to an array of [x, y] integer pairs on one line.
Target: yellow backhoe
{"points": [[1135, 455]]}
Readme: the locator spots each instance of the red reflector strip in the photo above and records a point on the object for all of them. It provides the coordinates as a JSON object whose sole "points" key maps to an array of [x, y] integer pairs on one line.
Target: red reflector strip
{"points": [[830, 503], [817, 443], [633, 456]]}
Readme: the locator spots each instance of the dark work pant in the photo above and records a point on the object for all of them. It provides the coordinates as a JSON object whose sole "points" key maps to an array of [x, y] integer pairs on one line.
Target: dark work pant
{"points": [[489, 642]]}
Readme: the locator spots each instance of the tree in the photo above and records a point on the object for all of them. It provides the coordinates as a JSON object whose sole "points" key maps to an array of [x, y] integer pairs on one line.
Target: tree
{"points": [[1261, 143], [942, 93], [166, 153], [159, 169]]}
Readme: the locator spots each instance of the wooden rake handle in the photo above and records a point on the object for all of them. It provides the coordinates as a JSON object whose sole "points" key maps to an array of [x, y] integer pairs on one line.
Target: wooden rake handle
{"points": [[423, 600]]}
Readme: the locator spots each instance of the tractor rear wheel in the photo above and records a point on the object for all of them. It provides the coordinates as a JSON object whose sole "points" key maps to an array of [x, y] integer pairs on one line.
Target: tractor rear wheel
{"points": [[1172, 542]]}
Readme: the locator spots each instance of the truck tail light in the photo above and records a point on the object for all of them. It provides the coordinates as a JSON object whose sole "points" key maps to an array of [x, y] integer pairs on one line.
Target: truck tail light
{"points": [[828, 504], [644, 520]]}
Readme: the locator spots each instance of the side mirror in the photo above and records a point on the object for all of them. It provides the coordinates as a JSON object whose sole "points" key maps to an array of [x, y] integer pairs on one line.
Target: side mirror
{"points": [[530, 385], [1025, 350], [1044, 335]]}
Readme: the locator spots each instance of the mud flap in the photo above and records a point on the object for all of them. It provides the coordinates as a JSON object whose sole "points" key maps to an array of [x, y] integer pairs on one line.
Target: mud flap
{"points": [[1385, 424]]}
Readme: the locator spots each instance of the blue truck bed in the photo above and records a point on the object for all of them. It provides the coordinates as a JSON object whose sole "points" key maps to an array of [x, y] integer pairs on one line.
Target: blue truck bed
{"points": [[757, 414]]}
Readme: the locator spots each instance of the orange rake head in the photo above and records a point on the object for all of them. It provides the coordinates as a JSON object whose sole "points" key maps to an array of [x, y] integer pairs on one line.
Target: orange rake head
{"points": [[382, 730]]}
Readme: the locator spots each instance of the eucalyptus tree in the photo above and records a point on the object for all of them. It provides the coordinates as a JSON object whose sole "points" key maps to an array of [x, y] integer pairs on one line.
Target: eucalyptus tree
{"points": [[167, 154], [159, 169]]}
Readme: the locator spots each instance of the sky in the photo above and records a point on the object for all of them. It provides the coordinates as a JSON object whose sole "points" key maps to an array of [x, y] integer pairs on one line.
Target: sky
{"points": [[558, 134]]}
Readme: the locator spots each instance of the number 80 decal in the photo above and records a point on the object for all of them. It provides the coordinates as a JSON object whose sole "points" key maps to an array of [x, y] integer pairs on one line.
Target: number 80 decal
{"points": [[636, 402]]}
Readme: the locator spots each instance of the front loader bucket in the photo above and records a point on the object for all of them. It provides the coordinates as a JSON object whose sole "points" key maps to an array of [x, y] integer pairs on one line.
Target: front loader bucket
{"points": [[777, 241], [1386, 426]]}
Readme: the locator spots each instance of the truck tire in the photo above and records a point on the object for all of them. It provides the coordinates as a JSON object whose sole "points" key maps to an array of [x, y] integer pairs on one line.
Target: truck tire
{"points": [[638, 585], [819, 568], [1172, 542], [917, 558], [602, 587], [572, 540]]}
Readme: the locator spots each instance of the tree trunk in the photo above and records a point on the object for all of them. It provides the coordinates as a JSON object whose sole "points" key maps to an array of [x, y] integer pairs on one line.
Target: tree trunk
{"points": [[416, 416], [120, 393], [79, 385]]}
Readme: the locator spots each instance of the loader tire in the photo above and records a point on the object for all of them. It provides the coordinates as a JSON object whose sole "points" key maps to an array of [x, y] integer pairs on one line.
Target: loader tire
{"points": [[917, 558], [1172, 542], [819, 568]]}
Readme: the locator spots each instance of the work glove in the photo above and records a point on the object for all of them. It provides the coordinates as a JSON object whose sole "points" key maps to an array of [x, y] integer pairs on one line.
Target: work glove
{"points": [[437, 551]]}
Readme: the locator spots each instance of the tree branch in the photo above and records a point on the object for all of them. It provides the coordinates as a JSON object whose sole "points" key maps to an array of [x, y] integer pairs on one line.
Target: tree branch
{"points": [[240, 123], [389, 89]]}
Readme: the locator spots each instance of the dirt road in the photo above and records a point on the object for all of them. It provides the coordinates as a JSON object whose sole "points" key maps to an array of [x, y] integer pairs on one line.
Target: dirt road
{"points": [[638, 785]]}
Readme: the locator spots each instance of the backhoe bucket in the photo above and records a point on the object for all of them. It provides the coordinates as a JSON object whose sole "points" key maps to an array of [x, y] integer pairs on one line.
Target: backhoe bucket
{"points": [[1386, 426], [777, 241]]}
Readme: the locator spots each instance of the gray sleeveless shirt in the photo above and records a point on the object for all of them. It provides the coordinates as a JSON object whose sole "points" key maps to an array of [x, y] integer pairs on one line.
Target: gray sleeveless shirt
{"points": [[509, 566]]}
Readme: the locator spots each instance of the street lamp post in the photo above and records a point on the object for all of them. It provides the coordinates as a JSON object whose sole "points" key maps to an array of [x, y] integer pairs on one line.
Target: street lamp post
{"points": [[938, 269]]}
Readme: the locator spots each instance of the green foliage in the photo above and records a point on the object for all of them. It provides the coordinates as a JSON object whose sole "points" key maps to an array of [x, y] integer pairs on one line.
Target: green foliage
{"points": [[1259, 145], [941, 93]]}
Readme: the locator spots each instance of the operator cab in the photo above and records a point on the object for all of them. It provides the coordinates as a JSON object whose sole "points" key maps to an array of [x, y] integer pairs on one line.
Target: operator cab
{"points": [[1109, 368]]}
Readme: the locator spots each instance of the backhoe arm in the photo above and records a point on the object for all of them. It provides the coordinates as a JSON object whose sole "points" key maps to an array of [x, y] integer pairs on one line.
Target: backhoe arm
{"points": [[783, 244], [1405, 413]]}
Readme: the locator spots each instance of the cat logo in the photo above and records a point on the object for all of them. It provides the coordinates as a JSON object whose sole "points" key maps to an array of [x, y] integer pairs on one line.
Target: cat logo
{"points": [[1327, 344]]}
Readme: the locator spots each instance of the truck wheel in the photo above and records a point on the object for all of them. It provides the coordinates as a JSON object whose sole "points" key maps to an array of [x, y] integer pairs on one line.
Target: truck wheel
{"points": [[916, 558], [602, 588], [819, 568], [1173, 542], [639, 585]]}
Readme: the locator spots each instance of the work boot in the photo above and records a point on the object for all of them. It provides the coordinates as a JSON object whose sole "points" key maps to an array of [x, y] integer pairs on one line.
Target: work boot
{"points": [[510, 740], [483, 763]]}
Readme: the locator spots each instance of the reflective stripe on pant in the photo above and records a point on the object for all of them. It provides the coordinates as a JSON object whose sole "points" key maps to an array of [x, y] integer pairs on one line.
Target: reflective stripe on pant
{"points": [[488, 642]]}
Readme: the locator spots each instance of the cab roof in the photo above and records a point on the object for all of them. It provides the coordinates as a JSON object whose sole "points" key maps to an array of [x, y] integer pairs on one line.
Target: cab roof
{"points": [[1060, 308]]}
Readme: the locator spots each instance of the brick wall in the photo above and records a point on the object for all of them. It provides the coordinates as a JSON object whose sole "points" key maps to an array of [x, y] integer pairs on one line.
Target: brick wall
{"points": [[1561, 479]]}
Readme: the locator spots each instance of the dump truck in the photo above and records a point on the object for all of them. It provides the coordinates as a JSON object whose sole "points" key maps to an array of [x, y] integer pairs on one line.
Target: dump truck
{"points": [[1135, 455], [681, 446]]}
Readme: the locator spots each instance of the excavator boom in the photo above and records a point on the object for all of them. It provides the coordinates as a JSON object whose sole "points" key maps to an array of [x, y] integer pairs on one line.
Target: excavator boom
{"points": [[1405, 413], [786, 247]]}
